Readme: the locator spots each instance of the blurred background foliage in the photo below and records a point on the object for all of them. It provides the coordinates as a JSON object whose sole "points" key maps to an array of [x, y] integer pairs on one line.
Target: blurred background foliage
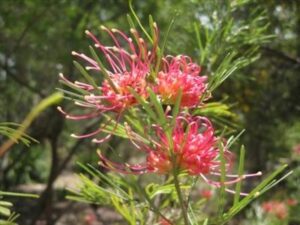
{"points": [[37, 37]]}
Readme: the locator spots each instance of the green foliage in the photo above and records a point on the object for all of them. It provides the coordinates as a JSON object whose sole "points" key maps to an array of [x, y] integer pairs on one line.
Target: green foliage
{"points": [[4, 208], [226, 44], [15, 135], [229, 34], [129, 198], [9, 130], [220, 113], [110, 190], [5, 211]]}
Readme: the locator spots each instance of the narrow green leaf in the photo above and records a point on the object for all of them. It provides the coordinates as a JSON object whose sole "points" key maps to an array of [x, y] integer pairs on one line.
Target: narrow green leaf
{"points": [[6, 204], [112, 181], [151, 22], [144, 103], [205, 221], [222, 178], [132, 206], [200, 45], [253, 194], [86, 75], [191, 215], [176, 107], [14, 194], [232, 139], [79, 199], [10, 124], [139, 22], [13, 216], [167, 35], [4, 211], [240, 173], [135, 123], [103, 70], [122, 209], [130, 21], [272, 184], [158, 107]]}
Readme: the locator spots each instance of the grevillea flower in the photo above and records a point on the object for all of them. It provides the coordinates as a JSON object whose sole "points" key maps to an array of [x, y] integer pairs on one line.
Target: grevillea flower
{"points": [[277, 208], [180, 73], [194, 149], [206, 193], [291, 202], [90, 218], [127, 68], [194, 146], [296, 150]]}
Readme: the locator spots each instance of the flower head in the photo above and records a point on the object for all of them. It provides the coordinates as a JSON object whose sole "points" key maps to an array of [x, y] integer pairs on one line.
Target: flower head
{"points": [[180, 73], [123, 68], [126, 69], [194, 149]]}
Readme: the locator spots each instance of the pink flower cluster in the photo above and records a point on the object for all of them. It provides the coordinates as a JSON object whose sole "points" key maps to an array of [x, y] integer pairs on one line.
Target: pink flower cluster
{"points": [[194, 149], [280, 209], [180, 73], [130, 69], [192, 145]]}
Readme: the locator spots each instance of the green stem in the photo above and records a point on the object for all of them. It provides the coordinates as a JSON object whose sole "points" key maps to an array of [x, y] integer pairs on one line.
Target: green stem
{"points": [[179, 194], [175, 175], [153, 207]]}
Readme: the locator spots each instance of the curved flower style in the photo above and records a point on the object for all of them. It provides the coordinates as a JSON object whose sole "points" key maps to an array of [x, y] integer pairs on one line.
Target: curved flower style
{"points": [[195, 150], [180, 73], [128, 68]]}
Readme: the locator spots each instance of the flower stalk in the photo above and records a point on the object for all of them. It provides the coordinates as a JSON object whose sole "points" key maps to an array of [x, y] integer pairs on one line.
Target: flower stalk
{"points": [[179, 193]]}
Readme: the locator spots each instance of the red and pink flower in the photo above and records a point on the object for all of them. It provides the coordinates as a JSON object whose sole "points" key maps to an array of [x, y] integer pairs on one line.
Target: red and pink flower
{"points": [[206, 194], [277, 208], [180, 73], [291, 202], [194, 149], [127, 68]]}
